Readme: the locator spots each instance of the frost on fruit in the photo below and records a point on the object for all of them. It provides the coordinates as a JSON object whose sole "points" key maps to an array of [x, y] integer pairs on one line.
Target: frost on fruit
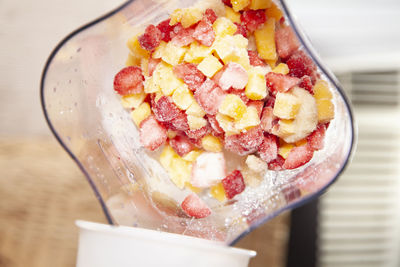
{"points": [[129, 81], [209, 96], [152, 134], [233, 184], [208, 169]]}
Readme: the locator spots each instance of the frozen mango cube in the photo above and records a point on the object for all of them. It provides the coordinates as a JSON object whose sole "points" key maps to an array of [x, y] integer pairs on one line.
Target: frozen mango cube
{"points": [[164, 77], [238, 5], [135, 48], [141, 113], [286, 106], [326, 110], [260, 4], [133, 100], [191, 16], [183, 97], [274, 12], [194, 189], [301, 142], [173, 54], [250, 119], [209, 66], [218, 192], [223, 46], [192, 155], [284, 149], [223, 26], [286, 128], [282, 68], [150, 86], [321, 90], [197, 53], [180, 171], [166, 157], [159, 51], [240, 56], [256, 88], [240, 41], [265, 40], [232, 15], [233, 106], [176, 16], [132, 60], [195, 110], [227, 124], [195, 122], [211, 143]]}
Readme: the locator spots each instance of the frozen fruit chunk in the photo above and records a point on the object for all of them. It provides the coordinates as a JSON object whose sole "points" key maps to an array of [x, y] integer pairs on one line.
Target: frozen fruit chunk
{"points": [[321, 90], [164, 109], [276, 164], [232, 75], [141, 113], [209, 66], [190, 75], [181, 145], [151, 38], [195, 122], [208, 169], [173, 54], [197, 134], [197, 53], [306, 83], [211, 143], [233, 184], [282, 68], [277, 82], [326, 110], [241, 29], [179, 123], [268, 149], [265, 40], [182, 97], [232, 15], [255, 60], [298, 156], [192, 155], [253, 19], [227, 124], [267, 119], [227, 2], [193, 206], [286, 106], [215, 125], [218, 192], [152, 134], [223, 26], [238, 5], [274, 12], [232, 106], [256, 88], [256, 164], [258, 105], [182, 36], [204, 33], [191, 16], [133, 100], [240, 93], [316, 139], [260, 4], [249, 119], [210, 16], [166, 30], [129, 81], [244, 143], [300, 64], [284, 149], [286, 41], [209, 96], [195, 110], [152, 65], [164, 78]]}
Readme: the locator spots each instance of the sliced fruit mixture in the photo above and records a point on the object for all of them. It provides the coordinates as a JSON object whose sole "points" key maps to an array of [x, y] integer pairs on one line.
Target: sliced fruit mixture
{"points": [[200, 85]]}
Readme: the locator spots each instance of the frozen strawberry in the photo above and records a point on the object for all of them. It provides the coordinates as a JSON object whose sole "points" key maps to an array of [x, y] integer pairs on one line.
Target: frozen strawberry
{"points": [[255, 59], [270, 101], [208, 170], [278, 82], [191, 76], [241, 29], [193, 206], [215, 127], [182, 36], [153, 62], [298, 156], [233, 184], [306, 83], [258, 104], [276, 164], [179, 123], [210, 15], [267, 119], [152, 134], [239, 93], [129, 81], [204, 33], [300, 64], [227, 2], [151, 38], [268, 150], [166, 30], [244, 143], [164, 109], [181, 144], [286, 41], [232, 143], [232, 75], [209, 96], [199, 133], [316, 139], [253, 19]]}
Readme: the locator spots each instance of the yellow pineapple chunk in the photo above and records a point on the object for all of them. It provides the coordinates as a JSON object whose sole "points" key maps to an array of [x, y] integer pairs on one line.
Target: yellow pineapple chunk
{"points": [[192, 155], [260, 4], [173, 54], [227, 124], [256, 164], [164, 77], [321, 90], [265, 40], [166, 157], [274, 12], [191, 16], [144, 65], [286, 106], [197, 53], [284, 149], [282, 68], [240, 41], [301, 142], [132, 60], [286, 128], [250, 119], [223, 26], [238, 5], [223, 46], [183, 97], [194, 189], [133, 100], [141, 113], [252, 178], [232, 15], [218, 192], [240, 56], [195, 110], [326, 110], [272, 63], [195, 122], [233, 107], [176, 16], [171, 134], [256, 88], [180, 171], [209, 66], [150, 86], [159, 51], [135, 48], [211, 143]]}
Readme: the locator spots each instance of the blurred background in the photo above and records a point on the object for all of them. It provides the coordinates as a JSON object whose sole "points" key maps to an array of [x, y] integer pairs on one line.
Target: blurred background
{"points": [[357, 223]]}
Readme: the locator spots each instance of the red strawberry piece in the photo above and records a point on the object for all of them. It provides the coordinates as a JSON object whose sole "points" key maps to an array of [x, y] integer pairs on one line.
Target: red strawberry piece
{"points": [[151, 38], [181, 144], [232, 143], [179, 123], [210, 15], [129, 81], [152, 134], [209, 96], [276, 164], [241, 29], [190, 75], [258, 104], [286, 41], [255, 59], [306, 83], [182, 36], [204, 33], [227, 2], [233, 184], [166, 30], [215, 127], [195, 207], [300, 64], [253, 19], [268, 150], [298, 156], [239, 93], [267, 119], [164, 109], [316, 139], [278, 82], [232, 75], [244, 143], [199, 133], [153, 62], [270, 101]]}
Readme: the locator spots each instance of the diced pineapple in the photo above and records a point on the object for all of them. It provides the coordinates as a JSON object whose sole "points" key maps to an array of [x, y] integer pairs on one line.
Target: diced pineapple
{"points": [[197, 53], [166, 157], [284, 149], [223, 46], [144, 65], [238, 5], [265, 40], [132, 60], [232, 15], [150, 86], [286, 106], [321, 90], [171, 134], [194, 189], [286, 128], [164, 77], [173, 54], [211, 143], [240, 56], [233, 106], [223, 26], [176, 16], [326, 110], [135, 48], [180, 171], [195, 122], [227, 124], [251, 178], [260, 4], [191, 16], [272, 63], [256, 164], [256, 88], [209, 66], [195, 110], [274, 12], [250, 119], [240, 41], [183, 97], [218, 192], [192, 155], [282, 68], [141, 113], [133, 101], [159, 51]]}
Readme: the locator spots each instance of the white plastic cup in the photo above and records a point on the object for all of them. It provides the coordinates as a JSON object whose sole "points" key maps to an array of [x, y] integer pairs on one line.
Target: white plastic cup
{"points": [[103, 245]]}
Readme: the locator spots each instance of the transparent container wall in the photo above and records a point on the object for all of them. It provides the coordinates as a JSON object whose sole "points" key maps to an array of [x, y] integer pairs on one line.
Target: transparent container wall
{"points": [[87, 118]]}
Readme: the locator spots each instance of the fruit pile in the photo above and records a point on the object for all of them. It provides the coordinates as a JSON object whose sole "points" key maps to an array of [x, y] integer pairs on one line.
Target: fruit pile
{"points": [[201, 85]]}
